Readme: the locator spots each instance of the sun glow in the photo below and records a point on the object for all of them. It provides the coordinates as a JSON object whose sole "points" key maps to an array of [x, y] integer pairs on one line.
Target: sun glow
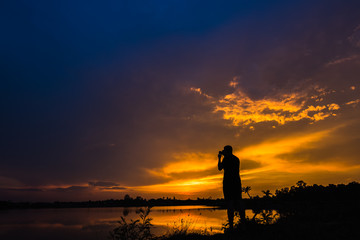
{"points": [[268, 153], [187, 187], [185, 163]]}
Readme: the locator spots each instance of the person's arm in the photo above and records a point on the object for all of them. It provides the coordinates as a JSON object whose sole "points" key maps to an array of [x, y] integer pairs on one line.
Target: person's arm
{"points": [[220, 164]]}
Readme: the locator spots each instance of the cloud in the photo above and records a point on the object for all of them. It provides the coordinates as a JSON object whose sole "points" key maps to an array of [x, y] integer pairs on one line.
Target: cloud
{"points": [[355, 37], [103, 184], [61, 193], [266, 152], [272, 152], [73, 189], [190, 173], [247, 164], [234, 82], [198, 90], [184, 163], [242, 110], [342, 60], [113, 188], [310, 155], [106, 186], [69, 189], [184, 187], [354, 102], [92, 187], [338, 148], [9, 182]]}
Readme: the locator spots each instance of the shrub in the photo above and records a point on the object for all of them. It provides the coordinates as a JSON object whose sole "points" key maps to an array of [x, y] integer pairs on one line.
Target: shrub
{"points": [[134, 230]]}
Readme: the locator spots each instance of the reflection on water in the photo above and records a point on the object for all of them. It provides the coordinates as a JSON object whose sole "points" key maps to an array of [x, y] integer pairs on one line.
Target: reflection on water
{"points": [[95, 223]]}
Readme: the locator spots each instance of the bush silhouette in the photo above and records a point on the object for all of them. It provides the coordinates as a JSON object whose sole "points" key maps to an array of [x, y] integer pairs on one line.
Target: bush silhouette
{"points": [[134, 230]]}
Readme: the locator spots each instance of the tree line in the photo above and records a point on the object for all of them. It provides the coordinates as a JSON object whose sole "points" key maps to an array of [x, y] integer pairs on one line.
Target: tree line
{"points": [[300, 192]]}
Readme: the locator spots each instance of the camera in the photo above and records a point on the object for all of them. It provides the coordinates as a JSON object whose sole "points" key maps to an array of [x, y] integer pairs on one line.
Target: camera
{"points": [[221, 153]]}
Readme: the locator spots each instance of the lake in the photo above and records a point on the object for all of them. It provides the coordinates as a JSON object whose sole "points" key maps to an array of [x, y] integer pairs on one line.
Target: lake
{"points": [[95, 223]]}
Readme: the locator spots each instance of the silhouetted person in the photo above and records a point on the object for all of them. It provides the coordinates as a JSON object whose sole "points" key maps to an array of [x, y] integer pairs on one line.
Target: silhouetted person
{"points": [[231, 183]]}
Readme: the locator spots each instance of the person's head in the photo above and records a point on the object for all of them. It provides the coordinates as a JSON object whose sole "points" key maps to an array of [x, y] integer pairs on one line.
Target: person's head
{"points": [[227, 150]]}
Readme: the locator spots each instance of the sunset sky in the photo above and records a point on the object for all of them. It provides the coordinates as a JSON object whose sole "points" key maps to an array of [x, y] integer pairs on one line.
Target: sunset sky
{"points": [[105, 98]]}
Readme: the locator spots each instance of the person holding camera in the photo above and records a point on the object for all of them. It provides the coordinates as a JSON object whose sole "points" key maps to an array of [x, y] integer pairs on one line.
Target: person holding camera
{"points": [[231, 183]]}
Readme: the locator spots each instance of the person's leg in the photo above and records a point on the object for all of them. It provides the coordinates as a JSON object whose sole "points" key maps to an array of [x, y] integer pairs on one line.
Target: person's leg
{"points": [[241, 210], [230, 213], [240, 207]]}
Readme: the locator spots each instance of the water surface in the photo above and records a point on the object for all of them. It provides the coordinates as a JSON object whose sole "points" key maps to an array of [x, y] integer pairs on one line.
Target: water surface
{"points": [[95, 223]]}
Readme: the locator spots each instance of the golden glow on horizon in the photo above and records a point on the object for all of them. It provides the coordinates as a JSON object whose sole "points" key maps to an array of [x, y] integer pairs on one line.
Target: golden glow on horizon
{"points": [[185, 162], [184, 187], [268, 153], [190, 162]]}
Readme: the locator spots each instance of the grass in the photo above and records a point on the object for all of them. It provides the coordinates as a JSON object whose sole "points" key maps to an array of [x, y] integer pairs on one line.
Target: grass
{"points": [[139, 229]]}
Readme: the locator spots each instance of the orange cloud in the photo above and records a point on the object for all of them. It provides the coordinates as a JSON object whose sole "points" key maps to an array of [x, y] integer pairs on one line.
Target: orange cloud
{"points": [[342, 60], [188, 187], [267, 153], [235, 82], [200, 92], [185, 163], [242, 110], [355, 102]]}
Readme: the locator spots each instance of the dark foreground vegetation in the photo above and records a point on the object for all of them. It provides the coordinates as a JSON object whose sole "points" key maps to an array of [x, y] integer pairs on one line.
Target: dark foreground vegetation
{"points": [[303, 212]]}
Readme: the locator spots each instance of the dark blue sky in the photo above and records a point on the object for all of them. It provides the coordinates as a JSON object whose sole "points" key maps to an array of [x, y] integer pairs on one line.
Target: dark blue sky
{"points": [[88, 86]]}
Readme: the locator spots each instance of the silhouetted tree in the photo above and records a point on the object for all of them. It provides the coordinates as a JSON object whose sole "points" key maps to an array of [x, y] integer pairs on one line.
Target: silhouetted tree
{"points": [[127, 197], [256, 211], [301, 184], [282, 192], [267, 217], [267, 193], [247, 190]]}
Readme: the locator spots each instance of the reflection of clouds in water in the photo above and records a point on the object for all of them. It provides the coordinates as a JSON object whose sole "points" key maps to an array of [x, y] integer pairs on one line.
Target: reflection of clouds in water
{"points": [[99, 221], [166, 218], [194, 221]]}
